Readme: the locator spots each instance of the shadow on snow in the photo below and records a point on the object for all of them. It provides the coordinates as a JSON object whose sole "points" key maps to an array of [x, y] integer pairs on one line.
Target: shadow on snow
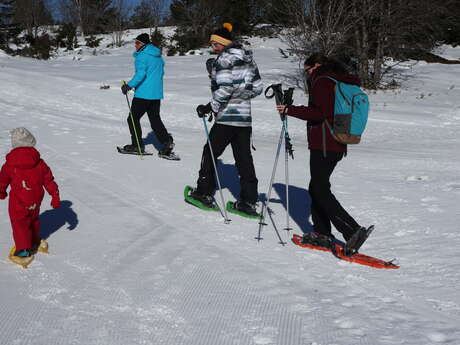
{"points": [[53, 220], [299, 205]]}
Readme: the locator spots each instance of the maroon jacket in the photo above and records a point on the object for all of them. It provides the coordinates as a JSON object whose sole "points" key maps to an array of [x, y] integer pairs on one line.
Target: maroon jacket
{"points": [[320, 107]]}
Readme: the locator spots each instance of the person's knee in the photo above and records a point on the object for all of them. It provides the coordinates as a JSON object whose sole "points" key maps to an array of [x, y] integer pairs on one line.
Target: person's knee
{"points": [[316, 188]]}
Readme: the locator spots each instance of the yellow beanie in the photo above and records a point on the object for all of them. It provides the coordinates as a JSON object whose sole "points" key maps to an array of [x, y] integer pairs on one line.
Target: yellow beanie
{"points": [[223, 35]]}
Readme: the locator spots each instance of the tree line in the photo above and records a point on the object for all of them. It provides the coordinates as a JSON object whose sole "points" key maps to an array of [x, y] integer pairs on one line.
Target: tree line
{"points": [[368, 36], [28, 23]]}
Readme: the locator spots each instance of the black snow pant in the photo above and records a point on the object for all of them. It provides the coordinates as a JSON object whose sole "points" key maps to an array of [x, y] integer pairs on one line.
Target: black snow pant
{"points": [[325, 208], [239, 138], [139, 107]]}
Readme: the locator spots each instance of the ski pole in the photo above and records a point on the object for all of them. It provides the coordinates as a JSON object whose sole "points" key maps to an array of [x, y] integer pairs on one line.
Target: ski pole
{"points": [[224, 213], [281, 98], [267, 202], [132, 122], [269, 212], [288, 151], [287, 100]]}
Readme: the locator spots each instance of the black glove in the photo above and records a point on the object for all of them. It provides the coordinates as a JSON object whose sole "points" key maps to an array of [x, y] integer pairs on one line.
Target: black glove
{"points": [[125, 88], [202, 110]]}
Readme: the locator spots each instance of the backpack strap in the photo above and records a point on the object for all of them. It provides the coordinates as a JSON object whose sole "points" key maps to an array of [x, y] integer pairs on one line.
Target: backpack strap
{"points": [[323, 129], [337, 84], [324, 77]]}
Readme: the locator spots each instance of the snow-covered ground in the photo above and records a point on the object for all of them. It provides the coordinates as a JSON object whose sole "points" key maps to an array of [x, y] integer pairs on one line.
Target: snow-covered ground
{"points": [[131, 263]]}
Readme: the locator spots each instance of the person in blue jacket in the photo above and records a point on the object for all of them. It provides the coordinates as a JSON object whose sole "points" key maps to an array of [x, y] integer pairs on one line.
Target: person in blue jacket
{"points": [[148, 84]]}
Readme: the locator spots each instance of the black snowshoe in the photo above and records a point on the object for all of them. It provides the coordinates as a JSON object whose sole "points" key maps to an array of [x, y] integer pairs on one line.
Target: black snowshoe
{"points": [[167, 151], [133, 150]]}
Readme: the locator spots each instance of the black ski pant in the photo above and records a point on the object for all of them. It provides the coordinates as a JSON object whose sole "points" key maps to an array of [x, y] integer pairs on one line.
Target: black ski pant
{"points": [[139, 107], [239, 138], [325, 208]]}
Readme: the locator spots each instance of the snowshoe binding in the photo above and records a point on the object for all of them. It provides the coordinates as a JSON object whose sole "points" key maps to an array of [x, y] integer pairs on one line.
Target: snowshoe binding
{"points": [[204, 202], [167, 151], [133, 150], [317, 239], [243, 209], [21, 257]]}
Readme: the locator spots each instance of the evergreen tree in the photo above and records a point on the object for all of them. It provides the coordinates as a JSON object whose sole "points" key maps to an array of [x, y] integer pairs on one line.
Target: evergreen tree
{"points": [[97, 15], [31, 14], [66, 36], [272, 12], [239, 13], [7, 10], [195, 20], [449, 23], [143, 16]]}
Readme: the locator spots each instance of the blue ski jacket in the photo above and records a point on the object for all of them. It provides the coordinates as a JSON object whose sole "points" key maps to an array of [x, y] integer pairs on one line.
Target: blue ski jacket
{"points": [[149, 70]]}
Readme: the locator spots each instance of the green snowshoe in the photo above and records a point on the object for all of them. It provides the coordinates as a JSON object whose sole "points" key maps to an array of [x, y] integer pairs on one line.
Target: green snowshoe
{"points": [[204, 202]]}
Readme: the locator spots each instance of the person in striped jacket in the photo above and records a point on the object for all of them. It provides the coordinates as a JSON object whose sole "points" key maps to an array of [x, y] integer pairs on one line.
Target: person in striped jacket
{"points": [[235, 80]]}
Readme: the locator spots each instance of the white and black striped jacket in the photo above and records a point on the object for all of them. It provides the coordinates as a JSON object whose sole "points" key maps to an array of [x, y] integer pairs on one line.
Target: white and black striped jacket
{"points": [[235, 80]]}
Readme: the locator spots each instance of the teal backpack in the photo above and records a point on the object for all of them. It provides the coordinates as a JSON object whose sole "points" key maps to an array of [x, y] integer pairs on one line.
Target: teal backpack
{"points": [[351, 111]]}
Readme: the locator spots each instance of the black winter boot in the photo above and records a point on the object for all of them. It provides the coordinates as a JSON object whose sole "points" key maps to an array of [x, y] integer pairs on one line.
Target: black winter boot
{"points": [[317, 239], [246, 207], [356, 241], [167, 147], [206, 200], [133, 148]]}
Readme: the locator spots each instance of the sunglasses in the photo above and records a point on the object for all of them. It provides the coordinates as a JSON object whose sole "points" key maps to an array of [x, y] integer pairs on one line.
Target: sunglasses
{"points": [[214, 44]]}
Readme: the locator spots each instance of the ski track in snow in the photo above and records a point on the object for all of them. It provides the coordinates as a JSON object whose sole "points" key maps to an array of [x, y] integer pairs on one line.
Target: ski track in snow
{"points": [[143, 267]]}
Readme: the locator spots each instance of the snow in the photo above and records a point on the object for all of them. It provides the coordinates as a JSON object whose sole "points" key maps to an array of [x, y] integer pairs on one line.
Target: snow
{"points": [[131, 263]]}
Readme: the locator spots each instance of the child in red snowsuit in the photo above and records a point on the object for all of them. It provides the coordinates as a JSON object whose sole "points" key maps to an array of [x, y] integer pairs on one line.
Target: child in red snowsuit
{"points": [[26, 174]]}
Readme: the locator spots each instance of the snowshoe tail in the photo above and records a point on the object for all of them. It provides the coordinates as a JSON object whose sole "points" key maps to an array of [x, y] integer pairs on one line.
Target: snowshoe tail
{"points": [[356, 258], [197, 203], [231, 208], [23, 262], [136, 153]]}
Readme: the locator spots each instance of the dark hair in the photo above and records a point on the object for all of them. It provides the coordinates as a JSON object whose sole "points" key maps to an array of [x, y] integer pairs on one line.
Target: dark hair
{"points": [[328, 64]]}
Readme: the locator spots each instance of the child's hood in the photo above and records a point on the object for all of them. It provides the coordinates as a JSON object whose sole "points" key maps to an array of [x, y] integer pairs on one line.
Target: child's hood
{"points": [[23, 157]]}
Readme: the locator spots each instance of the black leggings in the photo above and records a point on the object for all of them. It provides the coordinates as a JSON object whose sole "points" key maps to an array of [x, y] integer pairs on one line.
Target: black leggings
{"points": [[240, 140], [139, 107], [325, 208]]}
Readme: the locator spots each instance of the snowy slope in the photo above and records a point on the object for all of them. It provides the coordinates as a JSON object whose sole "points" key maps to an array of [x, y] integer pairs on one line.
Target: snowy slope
{"points": [[131, 263]]}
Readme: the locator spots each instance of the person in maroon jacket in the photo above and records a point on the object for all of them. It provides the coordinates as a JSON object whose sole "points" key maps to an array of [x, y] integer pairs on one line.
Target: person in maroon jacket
{"points": [[26, 174], [325, 151]]}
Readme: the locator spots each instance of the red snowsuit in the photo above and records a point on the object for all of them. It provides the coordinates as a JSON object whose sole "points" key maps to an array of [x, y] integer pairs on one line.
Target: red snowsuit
{"points": [[27, 174]]}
